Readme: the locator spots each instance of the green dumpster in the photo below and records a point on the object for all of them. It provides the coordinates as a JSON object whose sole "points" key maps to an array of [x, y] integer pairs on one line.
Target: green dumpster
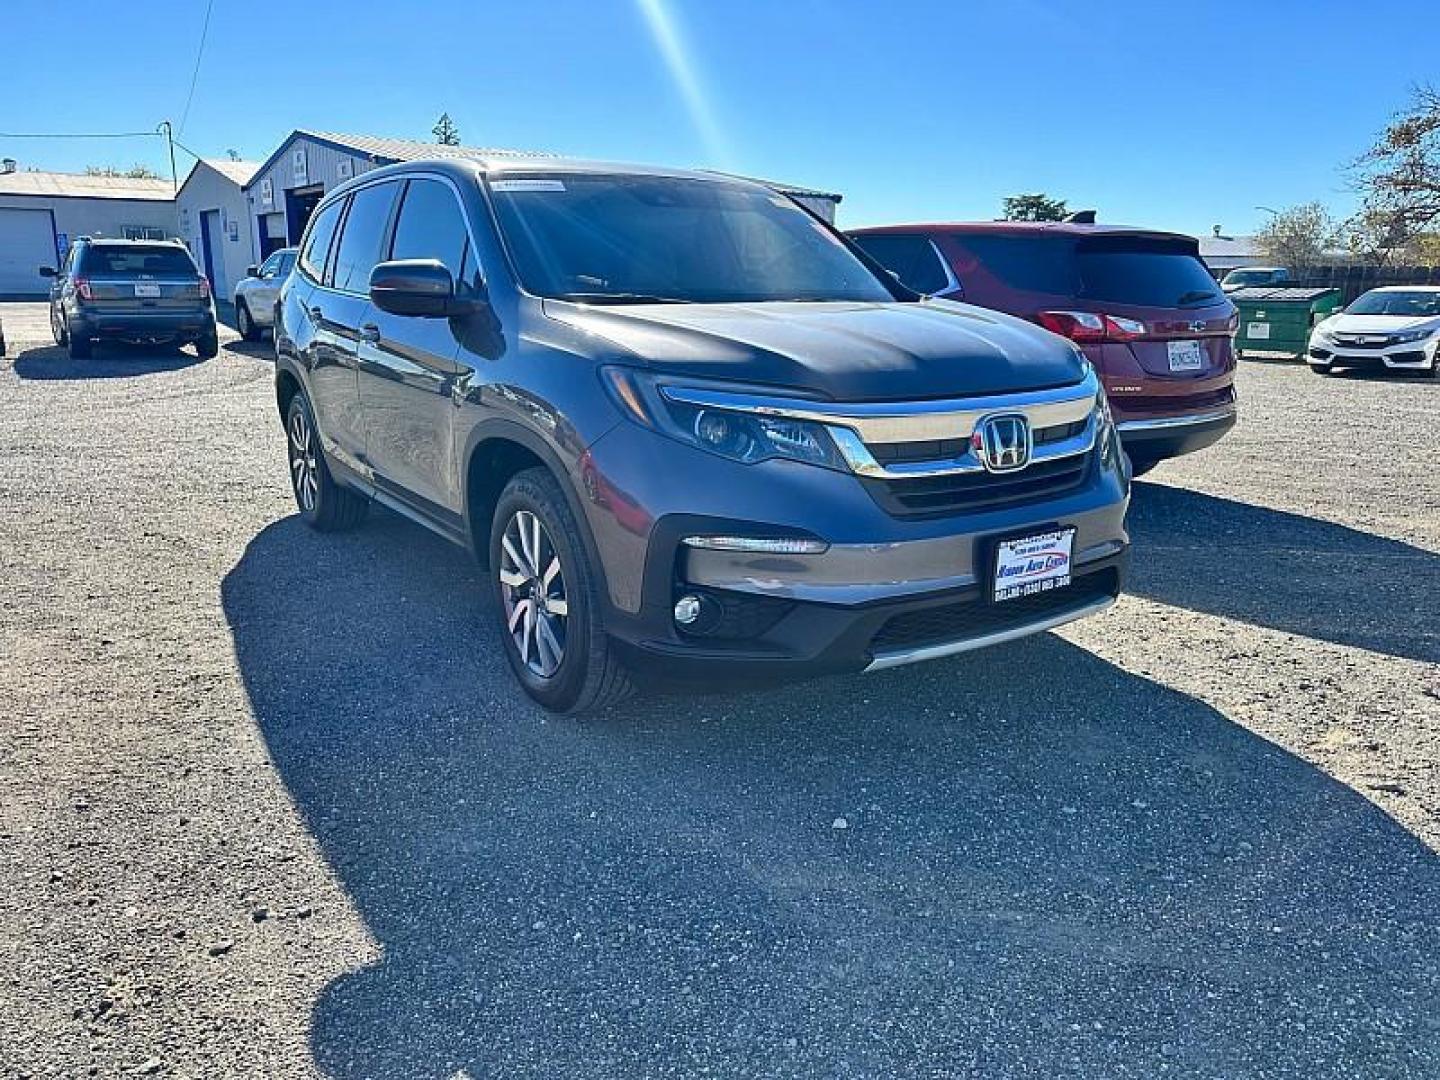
{"points": [[1277, 319]]}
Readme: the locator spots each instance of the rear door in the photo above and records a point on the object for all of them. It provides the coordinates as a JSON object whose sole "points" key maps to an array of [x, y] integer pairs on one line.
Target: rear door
{"points": [[1162, 285], [408, 365], [343, 244]]}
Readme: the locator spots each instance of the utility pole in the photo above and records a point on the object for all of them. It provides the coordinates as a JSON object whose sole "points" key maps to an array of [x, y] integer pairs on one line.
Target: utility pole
{"points": [[170, 142]]}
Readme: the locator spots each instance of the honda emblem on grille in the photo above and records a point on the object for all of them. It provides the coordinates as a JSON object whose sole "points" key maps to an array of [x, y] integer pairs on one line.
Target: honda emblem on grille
{"points": [[1002, 442]]}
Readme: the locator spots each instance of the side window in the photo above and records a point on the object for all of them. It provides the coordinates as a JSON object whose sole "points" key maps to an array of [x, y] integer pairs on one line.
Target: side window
{"points": [[360, 239], [431, 225], [270, 267], [287, 263], [317, 244], [910, 258]]}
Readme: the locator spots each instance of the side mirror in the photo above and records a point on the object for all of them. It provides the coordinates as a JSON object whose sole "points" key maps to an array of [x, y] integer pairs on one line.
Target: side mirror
{"points": [[252, 271], [47, 271], [417, 287]]}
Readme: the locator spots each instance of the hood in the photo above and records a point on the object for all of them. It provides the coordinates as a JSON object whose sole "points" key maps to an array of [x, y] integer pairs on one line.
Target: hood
{"points": [[841, 351], [1379, 324]]}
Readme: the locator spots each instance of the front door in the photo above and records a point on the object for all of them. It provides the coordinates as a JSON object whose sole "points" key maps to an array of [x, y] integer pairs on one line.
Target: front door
{"points": [[410, 366]]}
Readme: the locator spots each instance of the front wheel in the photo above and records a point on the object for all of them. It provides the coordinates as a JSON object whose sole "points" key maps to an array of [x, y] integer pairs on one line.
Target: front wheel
{"points": [[57, 328], [548, 597], [1322, 369], [324, 505]]}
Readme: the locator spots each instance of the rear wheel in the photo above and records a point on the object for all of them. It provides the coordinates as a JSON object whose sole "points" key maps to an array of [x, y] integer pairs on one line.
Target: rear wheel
{"points": [[245, 323], [57, 328], [208, 347], [324, 504], [548, 597]]}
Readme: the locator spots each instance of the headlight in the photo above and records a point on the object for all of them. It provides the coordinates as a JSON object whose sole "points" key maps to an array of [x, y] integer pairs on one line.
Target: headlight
{"points": [[742, 436], [1413, 335]]}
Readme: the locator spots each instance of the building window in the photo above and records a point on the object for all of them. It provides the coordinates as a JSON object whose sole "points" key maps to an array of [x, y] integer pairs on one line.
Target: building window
{"points": [[143, 232]]}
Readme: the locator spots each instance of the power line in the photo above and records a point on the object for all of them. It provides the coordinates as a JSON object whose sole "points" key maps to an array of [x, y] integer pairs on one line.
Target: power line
{"points": [[195, 74], [77, 135]]}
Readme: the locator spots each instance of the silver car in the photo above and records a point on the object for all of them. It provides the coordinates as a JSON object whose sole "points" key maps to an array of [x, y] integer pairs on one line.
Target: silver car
{"points": [[255, 296]]}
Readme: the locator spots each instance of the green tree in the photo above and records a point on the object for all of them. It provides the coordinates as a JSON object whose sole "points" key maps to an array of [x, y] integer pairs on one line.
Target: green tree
{"points": [[445, 131], [135, 172], [1299, 236], [1036, 207]]}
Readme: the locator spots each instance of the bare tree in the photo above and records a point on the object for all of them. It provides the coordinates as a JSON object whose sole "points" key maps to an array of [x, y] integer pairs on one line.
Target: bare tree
{"points": [[1298, 237], [1399, 177]]}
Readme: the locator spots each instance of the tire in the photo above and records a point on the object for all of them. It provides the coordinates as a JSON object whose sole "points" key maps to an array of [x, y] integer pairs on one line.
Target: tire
{"points": [[57, 329], [1322, 369], [553, 566], [79, 347], [245, 323], [208, 347], [323, 504]]}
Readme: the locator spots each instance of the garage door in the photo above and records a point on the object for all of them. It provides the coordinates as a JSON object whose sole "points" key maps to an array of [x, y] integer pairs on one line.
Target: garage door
{"points": [[27, 242]]}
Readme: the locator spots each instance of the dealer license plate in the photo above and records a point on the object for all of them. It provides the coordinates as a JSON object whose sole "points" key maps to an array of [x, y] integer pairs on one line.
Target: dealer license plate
{"points": [[1033, 564], [1185, 355], [1258, 330], [146, 289]]}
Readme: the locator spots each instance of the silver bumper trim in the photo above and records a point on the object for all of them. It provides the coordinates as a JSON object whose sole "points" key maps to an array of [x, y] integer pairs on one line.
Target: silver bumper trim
{"points": [[934, 652], [1161, 423]]}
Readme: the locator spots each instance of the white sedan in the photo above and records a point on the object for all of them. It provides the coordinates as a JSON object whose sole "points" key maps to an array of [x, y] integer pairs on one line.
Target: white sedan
{"points": [[1396, 327], [255, 296]]}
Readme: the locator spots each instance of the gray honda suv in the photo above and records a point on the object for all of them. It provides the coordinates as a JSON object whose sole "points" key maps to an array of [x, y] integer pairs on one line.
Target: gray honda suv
{"points": [[688, 428]]}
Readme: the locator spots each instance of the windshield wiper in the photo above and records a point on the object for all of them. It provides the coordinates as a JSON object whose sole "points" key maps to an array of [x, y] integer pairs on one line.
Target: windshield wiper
{"points": [[1194, 296], [619, 298]]}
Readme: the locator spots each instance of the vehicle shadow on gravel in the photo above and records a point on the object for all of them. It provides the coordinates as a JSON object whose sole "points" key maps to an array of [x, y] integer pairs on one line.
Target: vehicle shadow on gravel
{"points": [[1289, 572], [1025, 861], [52, 363]]}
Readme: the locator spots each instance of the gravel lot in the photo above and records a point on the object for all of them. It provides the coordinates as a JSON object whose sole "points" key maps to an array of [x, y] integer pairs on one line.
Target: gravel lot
{"points": [[270, 804]]}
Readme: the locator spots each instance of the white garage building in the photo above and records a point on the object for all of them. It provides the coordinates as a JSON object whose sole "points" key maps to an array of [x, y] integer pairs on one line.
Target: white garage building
{"points": [[42, 212], [215, 221], [286, 188]]}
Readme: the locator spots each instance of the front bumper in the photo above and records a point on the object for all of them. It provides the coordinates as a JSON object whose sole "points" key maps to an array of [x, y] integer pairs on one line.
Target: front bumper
{"points": [[885, 591], [1156, 438], [1409, 356], [143, 327]]}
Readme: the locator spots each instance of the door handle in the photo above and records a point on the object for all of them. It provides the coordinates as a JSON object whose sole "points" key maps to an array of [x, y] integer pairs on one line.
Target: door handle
{"points": [[370, 333], [316, 315]]}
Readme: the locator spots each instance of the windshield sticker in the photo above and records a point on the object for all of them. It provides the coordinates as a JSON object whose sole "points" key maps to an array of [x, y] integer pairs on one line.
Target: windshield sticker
{"points": [[526, 185]]}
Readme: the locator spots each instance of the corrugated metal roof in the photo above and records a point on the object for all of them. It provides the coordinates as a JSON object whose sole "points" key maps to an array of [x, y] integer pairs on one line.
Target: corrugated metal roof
{"points": [[391, 150], [73, 186], [1243, 247], [241, 172]]}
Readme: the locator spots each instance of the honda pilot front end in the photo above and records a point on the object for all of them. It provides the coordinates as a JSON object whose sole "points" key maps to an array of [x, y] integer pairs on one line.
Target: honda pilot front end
{"points": [[689, 429]]}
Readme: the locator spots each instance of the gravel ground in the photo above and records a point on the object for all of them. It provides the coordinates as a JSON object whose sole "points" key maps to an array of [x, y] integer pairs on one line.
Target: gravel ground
{"points": [[270, 804]]}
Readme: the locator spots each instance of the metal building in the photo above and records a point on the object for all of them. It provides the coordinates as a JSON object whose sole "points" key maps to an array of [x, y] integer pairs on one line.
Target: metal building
{"points": [[42, 212], [215, 221], [286, 188]]}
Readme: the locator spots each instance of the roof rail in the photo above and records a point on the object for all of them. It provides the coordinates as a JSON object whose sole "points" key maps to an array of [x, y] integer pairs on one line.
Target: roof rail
{"points": [[1081, 217]]}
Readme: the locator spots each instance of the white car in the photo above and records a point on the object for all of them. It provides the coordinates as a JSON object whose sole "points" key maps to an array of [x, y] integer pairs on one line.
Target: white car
{"points": [[1396, 327], [255, 296]]}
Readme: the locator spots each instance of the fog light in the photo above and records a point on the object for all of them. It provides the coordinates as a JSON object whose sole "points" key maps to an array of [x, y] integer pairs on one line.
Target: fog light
{"points": [[687, 610]]}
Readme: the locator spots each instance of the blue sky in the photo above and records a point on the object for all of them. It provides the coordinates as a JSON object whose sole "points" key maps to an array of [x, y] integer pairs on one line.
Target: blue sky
{"points": [[1171, 115]]}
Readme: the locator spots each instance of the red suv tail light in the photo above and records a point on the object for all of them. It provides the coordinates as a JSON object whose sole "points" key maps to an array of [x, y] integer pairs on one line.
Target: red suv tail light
{"points": [[1087, 326], [82, 289]]}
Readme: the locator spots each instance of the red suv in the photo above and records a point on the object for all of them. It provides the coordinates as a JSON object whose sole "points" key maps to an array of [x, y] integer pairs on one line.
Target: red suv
{"points": [[1141, 304]]}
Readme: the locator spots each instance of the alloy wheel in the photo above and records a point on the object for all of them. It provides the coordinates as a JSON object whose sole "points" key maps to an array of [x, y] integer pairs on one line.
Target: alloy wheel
{"points": [[532, 583], [304, 468], [242, 320]]}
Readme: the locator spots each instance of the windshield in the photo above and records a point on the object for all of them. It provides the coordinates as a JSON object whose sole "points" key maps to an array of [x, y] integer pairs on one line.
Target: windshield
{"points": [[639, 239], [1158, 275], [1246, 277], [1412, 304], [128, 262]]}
